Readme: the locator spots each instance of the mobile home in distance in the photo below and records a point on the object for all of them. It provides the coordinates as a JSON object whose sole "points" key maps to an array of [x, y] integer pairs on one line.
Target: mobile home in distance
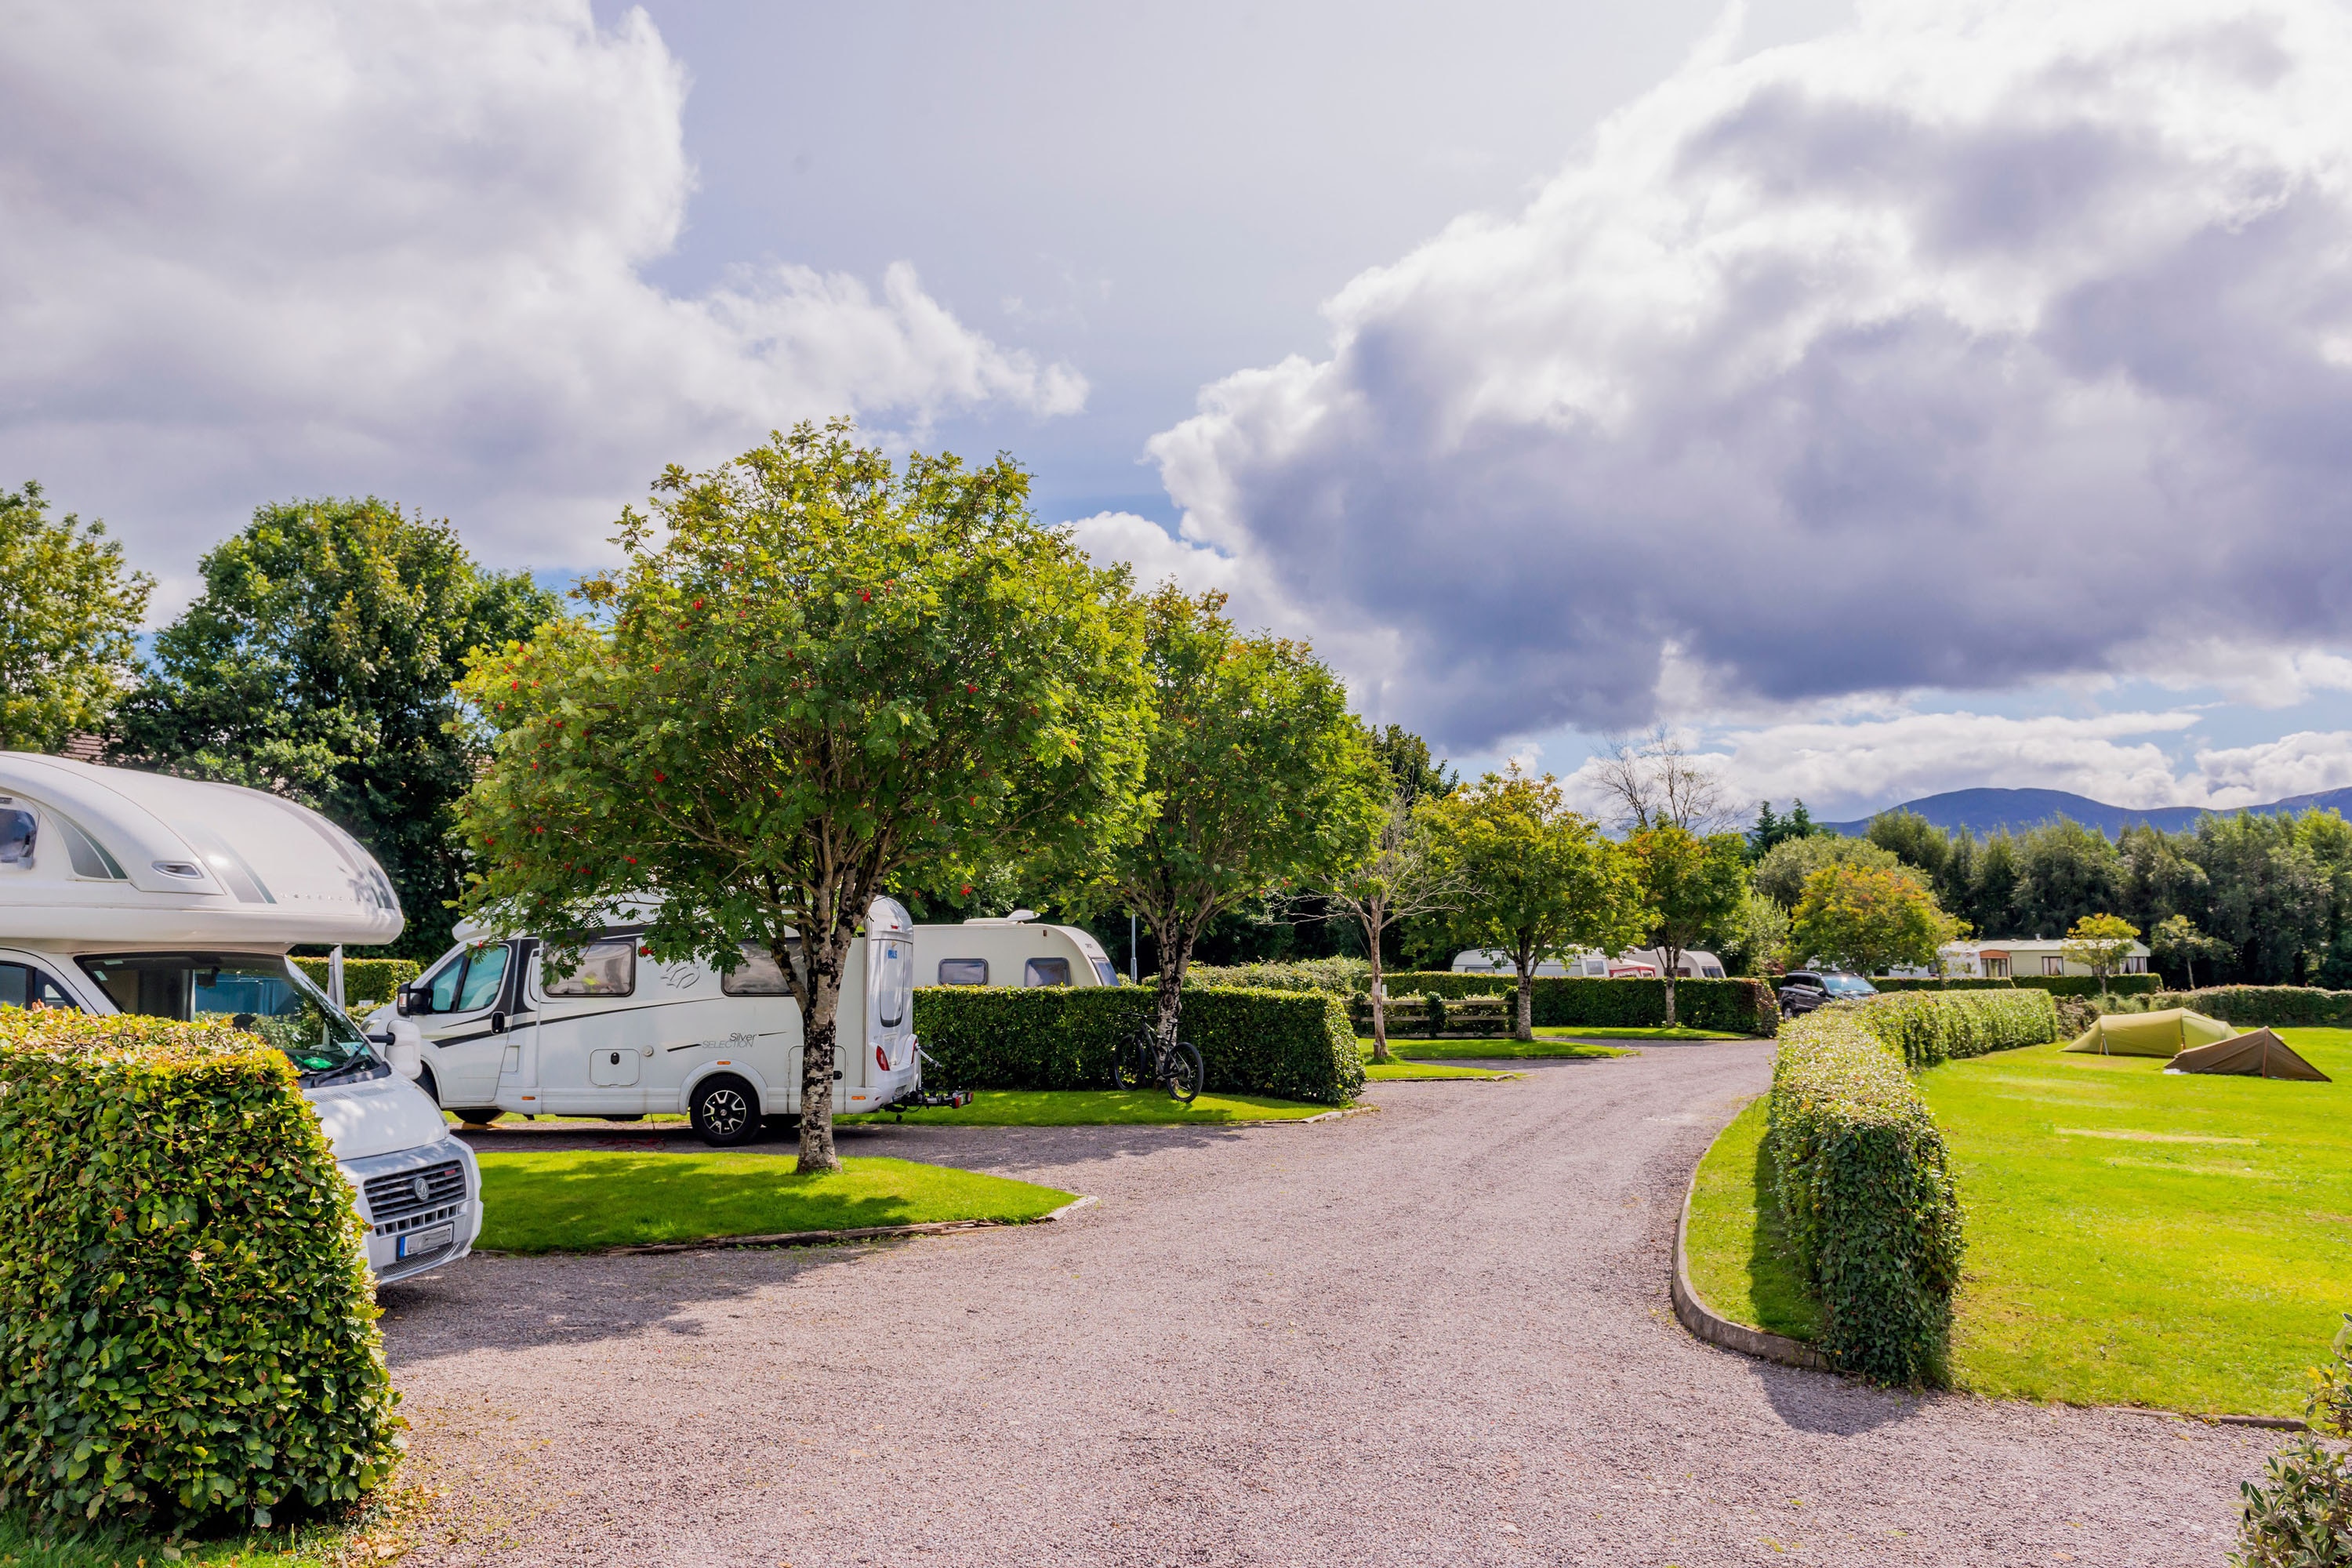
{"points": [[1013, 951], [130, 892], [1591, 963]]}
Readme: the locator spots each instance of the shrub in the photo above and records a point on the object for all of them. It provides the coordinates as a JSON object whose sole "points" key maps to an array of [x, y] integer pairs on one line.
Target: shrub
{"points": [[2301, 1515], [1926, 1028], [2075, 1014], [1862, 1176], [1296, 1045], [186, 1325], [372, 980], [1732, 1006], [1340, 976], [2265, 1007]]}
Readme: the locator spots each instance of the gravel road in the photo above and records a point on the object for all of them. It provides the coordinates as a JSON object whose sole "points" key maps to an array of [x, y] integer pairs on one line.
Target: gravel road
{"points": [[1434, 1333]]}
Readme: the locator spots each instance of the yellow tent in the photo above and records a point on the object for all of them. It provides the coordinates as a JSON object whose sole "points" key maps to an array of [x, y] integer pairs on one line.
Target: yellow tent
{"points": [[2163, 1034]]}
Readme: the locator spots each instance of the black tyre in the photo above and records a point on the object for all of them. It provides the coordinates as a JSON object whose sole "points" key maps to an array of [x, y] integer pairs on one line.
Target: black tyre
{"points": [[726, 1111], [480, 1116], [1183, 1072], [1126, 1064]]}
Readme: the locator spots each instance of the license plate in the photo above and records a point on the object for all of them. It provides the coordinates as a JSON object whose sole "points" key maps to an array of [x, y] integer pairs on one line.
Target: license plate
{"points": [[417, 1242]]}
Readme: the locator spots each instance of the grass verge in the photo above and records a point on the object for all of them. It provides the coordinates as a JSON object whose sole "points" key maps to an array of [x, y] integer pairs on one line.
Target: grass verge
{"points": [[1740, 1261], [1407, 1071], [1567, 1032], [578, 1200], [1099, 1108], [384, 1526], [2135, 1239], [1495, 1051]]}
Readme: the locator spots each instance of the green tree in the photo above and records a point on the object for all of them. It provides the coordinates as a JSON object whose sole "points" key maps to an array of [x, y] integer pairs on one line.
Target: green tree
{"points": [[2065, 872], [1688, 887], [1404, 879], [828, 673], [1992, 901], [1773, 829], [67, 611], [318, 663], [1869, 918], [2100, 943], [2270, 896], [2177, 941], [1410, 768], [1912, 839], [1782, 873], [1546, 880], [1257, 776], [1754, 937]]}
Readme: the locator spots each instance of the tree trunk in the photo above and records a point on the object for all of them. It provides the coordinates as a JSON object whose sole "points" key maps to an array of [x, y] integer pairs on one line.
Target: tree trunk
{"points": [[1174, 953], [1673, 955], [1380, 1003], [1525, 1027], [817, 1056]]}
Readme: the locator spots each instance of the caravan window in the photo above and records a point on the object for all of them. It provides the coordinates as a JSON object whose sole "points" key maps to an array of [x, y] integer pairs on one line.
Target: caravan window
{"points": [[22, 985], [963, 972], [607, 968], [1046, 971], [485, 973], [760, 974], [17, 832], [895, 989]]}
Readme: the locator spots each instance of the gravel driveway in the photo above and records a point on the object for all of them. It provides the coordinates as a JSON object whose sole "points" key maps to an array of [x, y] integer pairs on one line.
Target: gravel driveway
{"points": [[1433, 1333]]}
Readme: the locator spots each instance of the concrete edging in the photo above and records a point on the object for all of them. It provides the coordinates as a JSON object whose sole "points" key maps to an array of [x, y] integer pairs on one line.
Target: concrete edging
{"points": [[1703, 1322], [821, 1237]]}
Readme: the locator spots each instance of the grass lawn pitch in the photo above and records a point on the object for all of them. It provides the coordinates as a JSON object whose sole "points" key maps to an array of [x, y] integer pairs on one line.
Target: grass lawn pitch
{"points": [[581, 1200], [1407, 1071], [2182, 1241], [1099, 1108], [1503, 1049], [1737, 1248], [2178, 1241], [1569, 1032]]}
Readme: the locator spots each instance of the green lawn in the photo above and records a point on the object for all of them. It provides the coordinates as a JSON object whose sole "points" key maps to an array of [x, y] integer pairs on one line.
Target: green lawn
{"points": [[2135, 1239], [1411, 1071], [1099, 1108], [580, 1200], [1567, 1032], [1739, 1259], [1495, 1049]]}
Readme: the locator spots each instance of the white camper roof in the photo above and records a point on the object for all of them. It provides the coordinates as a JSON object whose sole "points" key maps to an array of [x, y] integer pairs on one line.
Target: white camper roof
{"points": [[126, 857]]}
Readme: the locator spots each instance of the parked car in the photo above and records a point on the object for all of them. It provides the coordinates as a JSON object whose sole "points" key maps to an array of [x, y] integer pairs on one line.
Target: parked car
{"points": [[131, 893], [1802, 990]]}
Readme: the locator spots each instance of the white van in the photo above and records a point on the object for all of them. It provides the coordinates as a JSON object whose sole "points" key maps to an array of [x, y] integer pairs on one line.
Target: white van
{"points": [[621, 1036], [131, 893], [1012, 951]]}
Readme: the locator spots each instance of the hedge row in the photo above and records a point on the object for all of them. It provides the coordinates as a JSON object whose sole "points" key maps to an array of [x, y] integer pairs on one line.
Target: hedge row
{"points": [[1926, 1028], [1340, 976], [1291, 1044], [187, 1323], [1732, 1006], [1862, 1175], [2055, 985], [2265, 1007], [365, 979]]}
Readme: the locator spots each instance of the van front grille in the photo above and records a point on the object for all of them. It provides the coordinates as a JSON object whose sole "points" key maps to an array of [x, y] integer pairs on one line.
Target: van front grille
{"points": [[403, 1194]]}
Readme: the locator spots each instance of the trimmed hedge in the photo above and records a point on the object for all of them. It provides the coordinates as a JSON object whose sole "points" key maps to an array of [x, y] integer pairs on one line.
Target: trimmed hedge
{"points": [[1863, 1179], [1295, 1045], [2057, 984], [375, 980], [1927, 1028], [1893, 982], [1340, 976], [1732, 1006], [2265, 1007], [187, 1322]]}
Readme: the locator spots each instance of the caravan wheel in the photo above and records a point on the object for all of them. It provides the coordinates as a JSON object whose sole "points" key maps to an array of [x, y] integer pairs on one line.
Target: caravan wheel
{"points": [[726, 1111]]}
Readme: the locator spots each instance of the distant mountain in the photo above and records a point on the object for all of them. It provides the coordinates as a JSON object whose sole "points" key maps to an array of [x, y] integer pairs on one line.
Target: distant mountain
{"points": [[1983, 811]]}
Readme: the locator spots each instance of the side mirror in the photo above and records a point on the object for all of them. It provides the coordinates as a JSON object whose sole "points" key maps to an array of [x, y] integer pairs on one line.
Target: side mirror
{"points": [[497, 1023], [405, 1054], [404, 1001]]}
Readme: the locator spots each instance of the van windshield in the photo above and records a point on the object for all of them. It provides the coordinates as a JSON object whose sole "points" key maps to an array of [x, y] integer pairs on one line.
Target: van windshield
{"points": [[263, 993]]}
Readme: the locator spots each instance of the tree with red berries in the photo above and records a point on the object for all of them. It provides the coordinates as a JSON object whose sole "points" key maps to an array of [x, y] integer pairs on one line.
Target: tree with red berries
{"points": [[824, 675]]}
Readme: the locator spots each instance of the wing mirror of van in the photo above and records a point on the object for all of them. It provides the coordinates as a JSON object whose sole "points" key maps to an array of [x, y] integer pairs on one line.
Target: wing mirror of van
{"points": [[405, 1054], [404, 1001]]}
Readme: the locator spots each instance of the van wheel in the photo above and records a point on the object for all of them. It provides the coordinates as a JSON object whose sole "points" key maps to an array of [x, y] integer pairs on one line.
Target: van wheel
{"points": [[726, 1111]]}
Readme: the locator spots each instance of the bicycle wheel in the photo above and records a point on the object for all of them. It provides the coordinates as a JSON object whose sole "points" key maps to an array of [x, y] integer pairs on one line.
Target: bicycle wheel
{"points": [[1183, 1065], [1126, 1063]]}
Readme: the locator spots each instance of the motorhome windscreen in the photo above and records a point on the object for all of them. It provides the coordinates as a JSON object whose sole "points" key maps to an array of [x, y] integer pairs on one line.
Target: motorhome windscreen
{"points": [[260, 993]]}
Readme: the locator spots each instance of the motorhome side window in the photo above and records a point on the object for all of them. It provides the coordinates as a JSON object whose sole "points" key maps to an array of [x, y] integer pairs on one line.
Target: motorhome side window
{"points": [[963, 972], [1046, 971], [760, 974], [607, 968], [22, 985], [17, 831]]}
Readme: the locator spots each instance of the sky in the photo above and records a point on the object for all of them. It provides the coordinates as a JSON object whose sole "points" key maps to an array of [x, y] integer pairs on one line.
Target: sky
{"points": [[1886, 397]]}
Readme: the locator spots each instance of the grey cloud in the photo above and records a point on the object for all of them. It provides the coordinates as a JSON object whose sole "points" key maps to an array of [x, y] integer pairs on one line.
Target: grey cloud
{"points": [[1953, 353]]}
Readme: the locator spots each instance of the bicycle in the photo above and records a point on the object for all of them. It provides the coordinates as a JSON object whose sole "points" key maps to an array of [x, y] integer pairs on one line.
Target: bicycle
{"points": [[1143, 1059]]}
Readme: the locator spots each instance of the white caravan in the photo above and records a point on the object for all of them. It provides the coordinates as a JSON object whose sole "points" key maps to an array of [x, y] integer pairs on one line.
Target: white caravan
{"points": [[131, 893], [621, 1036], [1014, 951]]}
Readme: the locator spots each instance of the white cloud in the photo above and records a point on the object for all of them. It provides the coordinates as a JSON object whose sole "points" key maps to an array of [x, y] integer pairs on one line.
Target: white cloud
{"points": [[1977, 344], [261, 248]]}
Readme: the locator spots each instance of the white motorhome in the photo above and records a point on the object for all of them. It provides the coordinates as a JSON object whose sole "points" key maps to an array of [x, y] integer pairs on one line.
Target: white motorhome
{"points": [[621, 1036], [131, 893], [1013, 951]]}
